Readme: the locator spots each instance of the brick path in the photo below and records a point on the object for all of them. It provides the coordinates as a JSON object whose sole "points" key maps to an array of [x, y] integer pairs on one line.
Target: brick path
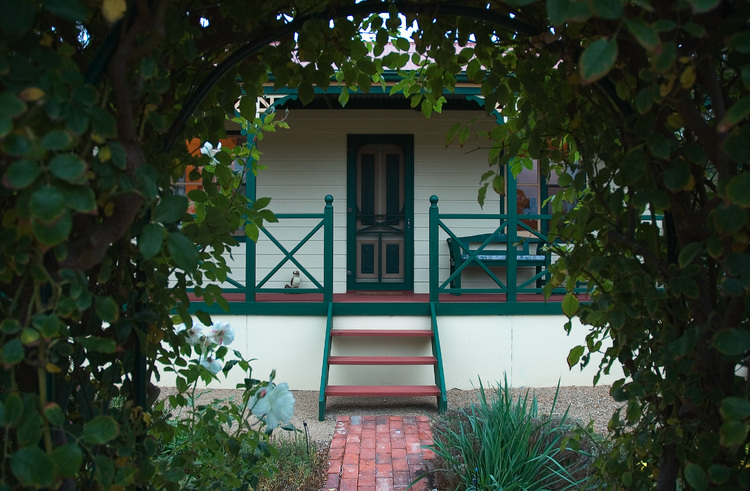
{"points": [[379, 453]]}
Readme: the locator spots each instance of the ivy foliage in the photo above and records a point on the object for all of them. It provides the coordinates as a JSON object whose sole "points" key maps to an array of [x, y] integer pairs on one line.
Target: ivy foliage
{"points": [[639, 107]]}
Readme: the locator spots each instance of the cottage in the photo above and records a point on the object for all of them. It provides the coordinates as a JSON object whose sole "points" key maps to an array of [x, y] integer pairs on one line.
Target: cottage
{"points": [[406, 284]]}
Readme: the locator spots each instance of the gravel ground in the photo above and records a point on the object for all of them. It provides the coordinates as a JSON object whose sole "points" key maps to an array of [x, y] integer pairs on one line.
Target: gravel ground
{"points": [[586, 403]]}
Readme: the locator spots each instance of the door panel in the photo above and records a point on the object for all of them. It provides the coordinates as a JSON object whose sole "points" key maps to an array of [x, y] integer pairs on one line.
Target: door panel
{"points": [[380, 218]]}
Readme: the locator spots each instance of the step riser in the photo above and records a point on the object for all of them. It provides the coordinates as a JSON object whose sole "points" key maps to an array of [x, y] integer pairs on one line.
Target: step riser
{"points": [[382, 360]]}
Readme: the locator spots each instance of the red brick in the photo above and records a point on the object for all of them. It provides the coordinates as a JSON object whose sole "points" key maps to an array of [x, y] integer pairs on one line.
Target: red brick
{"points": [[352, 448], [367, 453], [369, 433], [414, 448], [332, 482], [348, 484], [428, 454], [398, 453], [422, 419], [383, 458], [414, 458], [401, 479], [365, 488], [338, 442], [398, 442], [368, 442], [366, 478], [384, 470], [353, 439], [351, 458], [350, 471], [343, 418], [355, 429], [383, 484], [400, 465], [425, 435], [334, 466], [335, 453], [383, 446], [366, 465]]}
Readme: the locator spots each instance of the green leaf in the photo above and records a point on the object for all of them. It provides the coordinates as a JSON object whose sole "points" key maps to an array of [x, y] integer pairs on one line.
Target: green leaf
{"points": [[598, 59], [575, 355], [498, 184], [174, 474], [54, 414], [677, 175], [570, 304], [183, 251], [68, 167], [665, 59], [737, 408], [47, 204], [10, 105], [100, 430], [719, 474], [696, 476], [737, 189], [33, 467], [644, 33], [68, 459], [56, 140], [733, 433], [80, 198], [261, 203], [149, 243], [557, 11], [47, 324], [608, 9], [13, 352], [701, 6], [736, 113], [10, 326], [22, 173], [106, 309], [732, 341], [171, 209], [51, 234], [306, 93], [728, 218], [97, 344], [688, 253]]}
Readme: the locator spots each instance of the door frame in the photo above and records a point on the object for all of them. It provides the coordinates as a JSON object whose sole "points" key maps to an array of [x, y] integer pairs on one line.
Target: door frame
{"points": [[353, 144]]}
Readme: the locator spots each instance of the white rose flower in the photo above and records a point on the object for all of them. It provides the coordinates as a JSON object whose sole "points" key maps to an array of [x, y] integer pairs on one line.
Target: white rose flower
{"points": [[211, 364], [221, 333], [274, 405]]}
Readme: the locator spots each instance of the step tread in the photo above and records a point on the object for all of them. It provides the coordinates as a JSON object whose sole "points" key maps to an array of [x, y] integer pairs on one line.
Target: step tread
{"points": [[382, 360], [382, 390], [383, 332]]}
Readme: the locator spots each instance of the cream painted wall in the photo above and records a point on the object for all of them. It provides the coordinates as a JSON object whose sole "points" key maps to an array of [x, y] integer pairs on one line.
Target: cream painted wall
{"points": [[530, 350], [308, 161]]}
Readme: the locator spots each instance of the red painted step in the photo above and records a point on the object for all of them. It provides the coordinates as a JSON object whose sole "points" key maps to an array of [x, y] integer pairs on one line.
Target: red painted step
{"points": [[412, 333], [382, 390], [382, 360]]}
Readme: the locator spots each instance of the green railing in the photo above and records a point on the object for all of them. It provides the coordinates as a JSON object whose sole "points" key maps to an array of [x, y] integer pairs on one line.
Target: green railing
{"points": [[324, 222], [509, 225]]}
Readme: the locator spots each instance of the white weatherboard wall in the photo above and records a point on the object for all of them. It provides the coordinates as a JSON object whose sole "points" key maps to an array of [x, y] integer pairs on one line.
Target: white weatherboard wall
{"points": [[309, 161], [530, 350]]}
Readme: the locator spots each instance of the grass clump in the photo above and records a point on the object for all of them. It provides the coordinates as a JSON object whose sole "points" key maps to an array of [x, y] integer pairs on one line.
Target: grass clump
{"points": [[503, 444], [299, 465]]}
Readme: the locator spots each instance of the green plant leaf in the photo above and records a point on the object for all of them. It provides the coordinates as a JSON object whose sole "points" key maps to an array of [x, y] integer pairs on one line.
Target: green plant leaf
{"points": [[696, 476], [170, 209], [737, 408], [598, 59], [47, 204], [97, 344], [570, 304], [151, 239], [688, 253], [22, 173], [10, 326], [54, 414], [736, 113], [702, 6], [56, 140], [677, 175], [68, 459], [183, 251], [99, 430], [737, 189], [575, 355], [13, 352], [68, 167], [33, 467], [732, 341], [80, 198], [106, 309], [733, 433], [10, 105], [643, 32], [53, 233]]}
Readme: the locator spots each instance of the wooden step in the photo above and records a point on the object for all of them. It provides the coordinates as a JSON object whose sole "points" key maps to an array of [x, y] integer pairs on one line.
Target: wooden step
{"points": [[410, 333], [382, 360], [382, 390]]}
